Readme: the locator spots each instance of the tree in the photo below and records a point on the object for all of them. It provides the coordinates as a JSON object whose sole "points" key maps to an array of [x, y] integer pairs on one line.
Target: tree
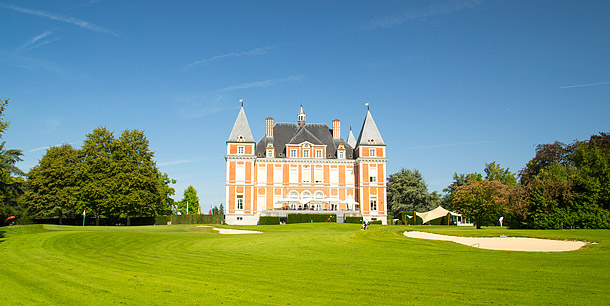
{"points": [[461, 179], [493, 172], [189, 199], [221, 209], [407, 191], [97, 173], [483, 202], [52, 187], [11, 181]]}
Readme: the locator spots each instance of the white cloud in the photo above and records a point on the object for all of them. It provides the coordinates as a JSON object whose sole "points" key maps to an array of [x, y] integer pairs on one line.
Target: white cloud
{"points": [[265, 83], [35, 39], [175, 162], [47, 147], [585, 85], [65, 19], [395, 20], [253, 52]]}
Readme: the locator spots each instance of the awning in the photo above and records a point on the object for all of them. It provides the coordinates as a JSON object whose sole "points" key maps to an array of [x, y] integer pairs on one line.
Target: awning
{"points": [[436, 213]]}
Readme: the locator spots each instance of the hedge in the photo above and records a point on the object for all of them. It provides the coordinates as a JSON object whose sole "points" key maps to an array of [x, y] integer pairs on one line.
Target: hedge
{"points": [[306, 218], [269, 220], [195, 219], [159, 220], [353, 219], [405, 215]]}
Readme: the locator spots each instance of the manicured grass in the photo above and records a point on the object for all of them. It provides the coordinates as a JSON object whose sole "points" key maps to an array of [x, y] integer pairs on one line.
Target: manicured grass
{"points": [[313, 264]]}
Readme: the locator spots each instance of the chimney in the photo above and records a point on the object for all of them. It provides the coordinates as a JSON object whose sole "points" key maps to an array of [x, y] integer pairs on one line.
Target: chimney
{"points": [[269, 127], [336, 129]]}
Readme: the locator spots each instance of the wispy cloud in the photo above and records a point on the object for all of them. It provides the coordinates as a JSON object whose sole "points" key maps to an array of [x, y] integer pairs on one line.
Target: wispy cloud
{"points": [[454, 144], [65, 19], [173, 163], [30, 63], [202, 105], [35, 39], [585, 85], [395, 20], [253, 52], [47, 147], [265, 83]]}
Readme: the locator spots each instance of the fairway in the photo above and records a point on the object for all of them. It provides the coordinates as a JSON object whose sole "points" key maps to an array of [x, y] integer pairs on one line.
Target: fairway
{"points": [[297, 264]]}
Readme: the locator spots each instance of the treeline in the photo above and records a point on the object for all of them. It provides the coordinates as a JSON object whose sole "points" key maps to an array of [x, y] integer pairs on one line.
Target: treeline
{"points": [[107, 177], [563, 186]]}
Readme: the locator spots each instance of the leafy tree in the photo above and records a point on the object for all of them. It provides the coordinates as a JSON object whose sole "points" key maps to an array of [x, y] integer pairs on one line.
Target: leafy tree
{"points": [[407, 190], [483, 202], [52, 185], [11, 181], [190, 197], [493, 172], [461, 179]]}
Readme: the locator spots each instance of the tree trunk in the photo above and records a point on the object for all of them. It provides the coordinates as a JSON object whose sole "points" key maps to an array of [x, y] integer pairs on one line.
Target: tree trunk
{"points": [[128, 221], [60, 218], [478, 226], [97, 217]]}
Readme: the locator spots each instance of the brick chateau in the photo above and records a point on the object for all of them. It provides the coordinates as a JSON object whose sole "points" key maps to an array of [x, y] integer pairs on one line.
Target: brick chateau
{"points": [[302, 167]]}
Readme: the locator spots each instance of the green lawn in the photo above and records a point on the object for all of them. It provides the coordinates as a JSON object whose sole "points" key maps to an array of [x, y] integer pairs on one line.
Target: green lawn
{"points": [[311, 264]]}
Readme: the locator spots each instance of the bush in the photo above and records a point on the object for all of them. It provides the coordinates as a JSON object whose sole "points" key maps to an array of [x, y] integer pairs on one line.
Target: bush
{"points": [[197, 219], [353, 220], [306, 218], [269, 220], [404, 215], [375, 222]]}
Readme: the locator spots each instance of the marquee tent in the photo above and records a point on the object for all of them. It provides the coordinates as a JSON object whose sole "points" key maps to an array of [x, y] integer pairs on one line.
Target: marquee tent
{"points": [[436, 213]]}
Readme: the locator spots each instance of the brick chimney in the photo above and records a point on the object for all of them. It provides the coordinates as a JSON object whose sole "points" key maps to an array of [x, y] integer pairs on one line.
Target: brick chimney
{"points": [[269, 132], [336, 129]]}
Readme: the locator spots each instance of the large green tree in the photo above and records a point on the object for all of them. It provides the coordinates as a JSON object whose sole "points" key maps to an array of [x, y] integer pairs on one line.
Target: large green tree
{"points": [[407, 191], [483, 201], [53, 185]]}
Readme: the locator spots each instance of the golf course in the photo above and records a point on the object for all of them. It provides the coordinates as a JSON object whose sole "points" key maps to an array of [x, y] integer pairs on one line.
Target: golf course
{"points": [[295, 264]]}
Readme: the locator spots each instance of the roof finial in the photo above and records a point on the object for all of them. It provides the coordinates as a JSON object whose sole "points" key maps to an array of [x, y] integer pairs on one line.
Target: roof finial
{"points": [[242, 102], [367, 106]]}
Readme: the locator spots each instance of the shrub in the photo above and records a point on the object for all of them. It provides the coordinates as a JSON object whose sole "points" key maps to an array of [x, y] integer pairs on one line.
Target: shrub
{"points": [[353, 220], [306, 218], [269, 220]]}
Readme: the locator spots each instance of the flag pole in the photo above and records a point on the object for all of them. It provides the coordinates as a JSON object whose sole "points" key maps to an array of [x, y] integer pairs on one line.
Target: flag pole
{"points": [[84, 214]]}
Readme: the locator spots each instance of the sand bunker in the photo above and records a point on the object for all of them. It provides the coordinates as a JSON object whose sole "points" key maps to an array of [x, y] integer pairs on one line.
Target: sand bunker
{"points": [[228, 231], [505, 243]]}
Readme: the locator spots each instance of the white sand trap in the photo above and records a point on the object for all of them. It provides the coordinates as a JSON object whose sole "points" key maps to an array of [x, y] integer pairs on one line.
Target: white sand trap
{"points": [[228, 231], [506, 243]]}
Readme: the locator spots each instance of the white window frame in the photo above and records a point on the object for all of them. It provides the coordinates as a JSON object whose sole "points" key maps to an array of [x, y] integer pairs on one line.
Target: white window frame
{"points": [[306, 153], [306, 175], [341, 155], [319, 153], [277, 174], [349, 176], [293, 153], [373, 203], [318, 174], [240, 173], [241, 150], [372, 152], [239, 205], [373, 173], [269, 153], [334, 176], [293, 175], [262, 174]]}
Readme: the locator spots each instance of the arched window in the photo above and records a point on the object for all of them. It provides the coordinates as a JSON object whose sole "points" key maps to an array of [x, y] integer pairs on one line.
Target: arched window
{"points": [[318, 195], [306, 195], [293, 195]]}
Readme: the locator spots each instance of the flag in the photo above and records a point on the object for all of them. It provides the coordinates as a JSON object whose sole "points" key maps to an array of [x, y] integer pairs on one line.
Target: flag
{"points": [[84, 212]]}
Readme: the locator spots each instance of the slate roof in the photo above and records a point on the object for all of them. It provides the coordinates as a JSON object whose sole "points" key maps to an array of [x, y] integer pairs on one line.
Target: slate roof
{"points": [[292, 133], [369, 131], [241, 128], [351, 140]]}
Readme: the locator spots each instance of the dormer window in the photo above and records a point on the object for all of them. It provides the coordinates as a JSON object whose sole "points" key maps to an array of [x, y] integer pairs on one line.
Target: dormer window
{"points": [[371, 141], [306, 153], [269, 153], [240, 138], [293, 153], [319, 154], [341, 155]]}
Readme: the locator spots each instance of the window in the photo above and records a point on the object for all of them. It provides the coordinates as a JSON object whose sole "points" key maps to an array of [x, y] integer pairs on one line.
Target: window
{"points": [[373, 173], [306, 153], [349, 176], [318, 195], [319, 174], [277, 174], [240, 150], [318, 153], [240, 218], [270, 153], [293, 153], [306, 174], [262, 174], [334, 176], [293, 195], [239, 202], [293, 177], [261, 203], [341, 154], [373, 203], [306, 195], [240, 173], [371, 152]]}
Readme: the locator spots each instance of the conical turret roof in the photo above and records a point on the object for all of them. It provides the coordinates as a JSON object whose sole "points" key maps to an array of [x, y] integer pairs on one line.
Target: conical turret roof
{"points": [[369, 132], [241, 129], [351, 140]]}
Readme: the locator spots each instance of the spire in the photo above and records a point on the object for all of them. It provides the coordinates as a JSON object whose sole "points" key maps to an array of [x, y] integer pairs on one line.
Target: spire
{"points": [[351, 140], [241, 129], [369, 133], [301, 117]]}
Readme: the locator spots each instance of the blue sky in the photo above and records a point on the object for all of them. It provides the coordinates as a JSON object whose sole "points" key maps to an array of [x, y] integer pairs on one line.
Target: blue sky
{"points": [[451, 84]]}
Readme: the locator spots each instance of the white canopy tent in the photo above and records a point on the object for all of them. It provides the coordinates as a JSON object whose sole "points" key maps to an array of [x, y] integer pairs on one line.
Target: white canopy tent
{"points": [[436, 213]]}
